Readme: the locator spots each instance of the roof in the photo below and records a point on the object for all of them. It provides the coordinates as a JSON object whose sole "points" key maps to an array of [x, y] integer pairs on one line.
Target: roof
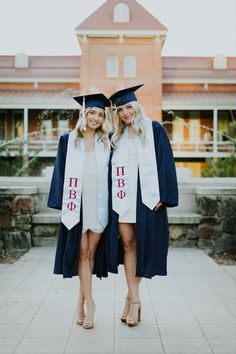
{"points": [[38, 99], [207, 100], [196, 69], [64, 100], [50, 68], [102, 18], [67, 69]]}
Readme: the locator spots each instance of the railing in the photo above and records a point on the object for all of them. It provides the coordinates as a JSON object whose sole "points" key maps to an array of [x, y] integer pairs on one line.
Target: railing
{"points": [[45, 146], [202, 146]]}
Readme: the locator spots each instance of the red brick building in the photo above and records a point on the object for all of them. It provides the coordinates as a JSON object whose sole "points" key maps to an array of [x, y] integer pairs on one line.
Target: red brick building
{"points": [[121, 45]]}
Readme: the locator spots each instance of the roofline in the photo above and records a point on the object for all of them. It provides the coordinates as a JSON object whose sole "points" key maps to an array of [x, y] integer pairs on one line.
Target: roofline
{"points": [[165, 106], [199, 81], [119, 32], [47, 80], [174, 106], [37, 106]]}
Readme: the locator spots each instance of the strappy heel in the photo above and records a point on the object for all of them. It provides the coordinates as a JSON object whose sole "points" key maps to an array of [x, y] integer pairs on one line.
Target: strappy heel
{"points": [[89, 318], [131, 322], [81, 315], [126, 310], [80, 321]]}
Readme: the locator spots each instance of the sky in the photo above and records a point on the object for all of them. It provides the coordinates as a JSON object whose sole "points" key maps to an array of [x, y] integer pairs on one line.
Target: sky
{"points": [[46, 27]]}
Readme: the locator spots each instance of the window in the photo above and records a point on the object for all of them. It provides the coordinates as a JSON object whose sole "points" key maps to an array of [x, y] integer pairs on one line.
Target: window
{"points": [[219, 62], [112, 66], [121, 13], [18, 126], [130, 66], [2, 125], [21, 61]]}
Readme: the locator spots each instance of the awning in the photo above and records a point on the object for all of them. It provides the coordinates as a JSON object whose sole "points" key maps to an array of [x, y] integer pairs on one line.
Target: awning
{"points": [[38, 99], [199, 100], [64, 100]]}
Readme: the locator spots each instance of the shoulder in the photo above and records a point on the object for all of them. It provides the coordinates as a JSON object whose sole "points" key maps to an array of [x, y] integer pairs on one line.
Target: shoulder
{"points": [[63, 140], [64, 137], [156, 125]]}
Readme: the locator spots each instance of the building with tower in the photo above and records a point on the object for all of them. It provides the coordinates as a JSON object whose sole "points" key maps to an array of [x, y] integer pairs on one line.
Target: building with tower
{"points": [[121, 45]]}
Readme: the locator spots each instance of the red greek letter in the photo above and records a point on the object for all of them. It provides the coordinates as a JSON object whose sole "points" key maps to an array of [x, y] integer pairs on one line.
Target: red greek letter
{"points": [[121, 183], [73, 182], [121, 194], [72, 194], [122, 169], [71, 206]]}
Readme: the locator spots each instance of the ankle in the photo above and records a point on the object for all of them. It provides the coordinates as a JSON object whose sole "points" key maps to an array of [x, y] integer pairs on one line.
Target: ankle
{"points": [[134, 300], [90, 303]]}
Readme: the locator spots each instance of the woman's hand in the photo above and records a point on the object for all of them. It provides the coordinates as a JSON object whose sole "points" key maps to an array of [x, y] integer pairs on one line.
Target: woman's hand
{"points": [[158, 206]]}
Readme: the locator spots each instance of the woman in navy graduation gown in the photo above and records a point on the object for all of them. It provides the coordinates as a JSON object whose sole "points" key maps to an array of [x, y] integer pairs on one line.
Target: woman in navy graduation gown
{"points": [[79, 187], [143, 180]]}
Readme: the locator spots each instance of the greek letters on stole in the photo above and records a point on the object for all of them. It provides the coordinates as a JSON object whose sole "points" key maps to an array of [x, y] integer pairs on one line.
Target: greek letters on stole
{"points": [[147, 170]]}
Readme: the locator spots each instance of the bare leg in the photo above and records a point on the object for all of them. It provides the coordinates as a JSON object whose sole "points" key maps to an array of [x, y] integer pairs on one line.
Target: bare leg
{"points": [[88, 246], [93, 239], [127, 234], [81, 300]]}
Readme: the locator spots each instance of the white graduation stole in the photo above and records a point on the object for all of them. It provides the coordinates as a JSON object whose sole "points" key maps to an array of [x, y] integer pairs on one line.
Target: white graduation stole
{"points": [[71, 201], [147, 171], [120, 185]]}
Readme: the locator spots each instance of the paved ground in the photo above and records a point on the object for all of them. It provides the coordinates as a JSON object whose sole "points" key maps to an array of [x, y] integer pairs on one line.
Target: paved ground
{"points": [[193, 310]]}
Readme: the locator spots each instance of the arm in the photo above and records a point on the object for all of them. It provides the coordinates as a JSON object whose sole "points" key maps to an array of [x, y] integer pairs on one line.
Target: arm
{"points": [[166, 167], [57, 182]]}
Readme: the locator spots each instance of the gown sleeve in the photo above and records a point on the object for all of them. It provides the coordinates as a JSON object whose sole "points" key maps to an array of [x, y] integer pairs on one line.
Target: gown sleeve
{"points": [[57, 182], [166, 167]]}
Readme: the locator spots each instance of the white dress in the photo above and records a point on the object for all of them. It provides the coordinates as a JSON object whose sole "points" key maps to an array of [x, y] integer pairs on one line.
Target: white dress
{"points": [[90, 194], [130, 215]]}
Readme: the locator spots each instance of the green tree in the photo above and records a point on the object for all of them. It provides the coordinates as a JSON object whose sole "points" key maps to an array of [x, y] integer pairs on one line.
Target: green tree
{"points": [[224, 167]]}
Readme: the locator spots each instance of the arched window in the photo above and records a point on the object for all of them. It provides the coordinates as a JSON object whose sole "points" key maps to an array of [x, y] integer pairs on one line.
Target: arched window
{"points": [[21, 61], [121, 13], [220, 62], [130, 66], [113, 66]]}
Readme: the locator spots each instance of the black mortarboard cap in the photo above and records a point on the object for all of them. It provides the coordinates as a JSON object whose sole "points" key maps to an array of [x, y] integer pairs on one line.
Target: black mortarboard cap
{"points": [[124, 96], [98, 100]]}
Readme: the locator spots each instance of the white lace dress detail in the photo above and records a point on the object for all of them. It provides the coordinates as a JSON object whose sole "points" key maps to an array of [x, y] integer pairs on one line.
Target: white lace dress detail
{"points": [[130, 215], [90, 194]]}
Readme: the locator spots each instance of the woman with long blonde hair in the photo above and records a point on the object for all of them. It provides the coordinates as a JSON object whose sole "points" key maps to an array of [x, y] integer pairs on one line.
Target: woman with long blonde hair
{"points": [[143, 185], [80, 188]]}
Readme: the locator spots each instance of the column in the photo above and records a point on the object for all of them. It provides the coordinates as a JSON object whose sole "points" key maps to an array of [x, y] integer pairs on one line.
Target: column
{"points": [[25, 147], [215, 128]]}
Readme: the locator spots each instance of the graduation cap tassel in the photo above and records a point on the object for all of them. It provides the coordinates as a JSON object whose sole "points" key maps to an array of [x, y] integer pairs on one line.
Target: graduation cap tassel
{"points": [[83, 115]]}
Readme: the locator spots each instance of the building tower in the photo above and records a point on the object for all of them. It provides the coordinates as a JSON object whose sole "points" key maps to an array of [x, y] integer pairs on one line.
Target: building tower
{"points": [[121, 45]]}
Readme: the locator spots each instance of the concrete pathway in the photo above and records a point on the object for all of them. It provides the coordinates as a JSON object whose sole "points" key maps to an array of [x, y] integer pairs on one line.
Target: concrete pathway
{"points": [[192, 311]]}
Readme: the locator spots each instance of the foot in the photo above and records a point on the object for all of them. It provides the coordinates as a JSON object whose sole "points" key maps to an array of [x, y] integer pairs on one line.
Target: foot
{"points": [[125, 310], [89, 318], [134, 315], [81, 313]]}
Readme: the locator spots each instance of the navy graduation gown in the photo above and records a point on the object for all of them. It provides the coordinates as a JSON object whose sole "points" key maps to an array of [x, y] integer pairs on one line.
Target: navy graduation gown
{"points": [[68, 242], [152, 230]]}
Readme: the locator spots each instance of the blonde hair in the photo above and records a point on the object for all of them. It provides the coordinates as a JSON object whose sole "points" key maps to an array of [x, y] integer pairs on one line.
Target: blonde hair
{"points": [[137, 123], [103, 131]]}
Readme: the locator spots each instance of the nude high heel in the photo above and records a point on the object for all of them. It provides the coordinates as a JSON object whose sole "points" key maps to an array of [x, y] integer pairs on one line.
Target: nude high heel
{"points": [[89, 318], [133, 323], [81, 316], [126, 310]]}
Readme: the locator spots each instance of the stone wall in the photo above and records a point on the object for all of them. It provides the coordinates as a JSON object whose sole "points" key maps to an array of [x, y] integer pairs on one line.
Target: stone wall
{"points": [[213, 226], [217, 228], [17, 205], [205, 218]]}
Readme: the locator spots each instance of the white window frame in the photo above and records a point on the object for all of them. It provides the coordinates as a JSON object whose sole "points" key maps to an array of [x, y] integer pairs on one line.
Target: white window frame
{"points": [[121, 13], [130, 65], [112, 66]]}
